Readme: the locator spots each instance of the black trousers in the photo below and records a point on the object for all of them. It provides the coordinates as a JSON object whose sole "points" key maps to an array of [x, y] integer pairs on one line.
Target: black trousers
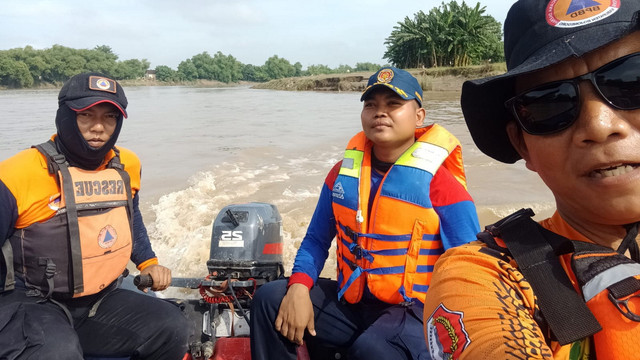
{"points": [[125, 324], [369, 330]]}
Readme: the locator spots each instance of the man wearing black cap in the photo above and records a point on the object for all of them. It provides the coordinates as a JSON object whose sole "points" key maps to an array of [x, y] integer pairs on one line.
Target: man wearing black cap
{"points": [[567, 287], [395, 202], [69, 224]]}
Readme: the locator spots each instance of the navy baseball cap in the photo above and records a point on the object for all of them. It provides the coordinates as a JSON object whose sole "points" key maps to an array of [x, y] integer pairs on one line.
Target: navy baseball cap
{"points": [[85, 90], [398, 80], [538, 34]]}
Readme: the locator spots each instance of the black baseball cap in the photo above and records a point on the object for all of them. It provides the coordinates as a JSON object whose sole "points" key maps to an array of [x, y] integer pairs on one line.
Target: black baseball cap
{"points": [[85, 90], [538, 34]]}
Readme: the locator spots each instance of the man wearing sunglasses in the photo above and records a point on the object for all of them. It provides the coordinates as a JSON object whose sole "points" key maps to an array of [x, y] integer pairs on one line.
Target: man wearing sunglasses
{"points": [[567, 287]]}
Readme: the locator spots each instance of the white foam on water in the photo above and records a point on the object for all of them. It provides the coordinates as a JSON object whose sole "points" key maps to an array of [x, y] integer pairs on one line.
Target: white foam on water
{"points": [[182, 220]]}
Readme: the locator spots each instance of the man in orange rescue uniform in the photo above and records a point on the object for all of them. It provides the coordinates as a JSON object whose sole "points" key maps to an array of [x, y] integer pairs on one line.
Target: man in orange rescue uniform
{"points": [[69, 223], [394, 203], [567, 287]]}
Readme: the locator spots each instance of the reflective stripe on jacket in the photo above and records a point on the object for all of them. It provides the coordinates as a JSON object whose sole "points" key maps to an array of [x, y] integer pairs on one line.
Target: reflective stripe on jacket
{"points": [[393, 249], [610, 284]]}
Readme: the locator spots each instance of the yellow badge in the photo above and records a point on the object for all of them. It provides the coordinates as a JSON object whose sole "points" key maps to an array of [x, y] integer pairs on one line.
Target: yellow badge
{"points": [[385, 76]]}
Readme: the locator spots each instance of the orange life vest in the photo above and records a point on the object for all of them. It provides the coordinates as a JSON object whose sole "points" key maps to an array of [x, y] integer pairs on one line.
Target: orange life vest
{"points": [[393, 249], [610, 285], [87, 244], [609, 326]]}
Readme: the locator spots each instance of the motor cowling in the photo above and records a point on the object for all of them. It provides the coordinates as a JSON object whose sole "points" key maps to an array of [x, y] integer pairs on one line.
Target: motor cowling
{"points": [[246, 242]]}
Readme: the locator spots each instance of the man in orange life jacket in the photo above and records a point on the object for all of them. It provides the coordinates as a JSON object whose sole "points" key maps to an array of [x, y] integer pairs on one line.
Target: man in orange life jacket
{"points": [[69, 224], [569, 106], [395, 202]]}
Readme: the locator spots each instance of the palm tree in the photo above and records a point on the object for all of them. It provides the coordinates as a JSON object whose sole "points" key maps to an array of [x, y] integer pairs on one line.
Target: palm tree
{"points": [[450, 35]]}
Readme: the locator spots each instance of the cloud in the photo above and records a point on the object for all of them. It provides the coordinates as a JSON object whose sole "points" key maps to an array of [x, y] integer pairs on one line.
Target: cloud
{"points": [[166, 32]]}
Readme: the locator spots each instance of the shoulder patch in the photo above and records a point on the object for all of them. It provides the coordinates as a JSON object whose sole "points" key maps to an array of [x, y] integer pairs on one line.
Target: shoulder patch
{"points": [[338, 190], [446, 335]]}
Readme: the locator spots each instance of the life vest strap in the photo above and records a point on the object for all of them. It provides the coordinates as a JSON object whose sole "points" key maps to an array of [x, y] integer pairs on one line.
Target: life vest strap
{"points": [[625, 287], [7, 256], [618, 294], [54, 158], [564, 310], [49, 271], [75, 246], [357, 271], [354, 235]]}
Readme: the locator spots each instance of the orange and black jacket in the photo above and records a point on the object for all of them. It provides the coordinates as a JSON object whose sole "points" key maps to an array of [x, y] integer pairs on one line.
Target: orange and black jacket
{"points": [[30, 195], [483, 304]]}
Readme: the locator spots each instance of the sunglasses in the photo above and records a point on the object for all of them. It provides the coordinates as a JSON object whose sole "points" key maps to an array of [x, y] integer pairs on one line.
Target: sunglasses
{"points": [[555, 106]]}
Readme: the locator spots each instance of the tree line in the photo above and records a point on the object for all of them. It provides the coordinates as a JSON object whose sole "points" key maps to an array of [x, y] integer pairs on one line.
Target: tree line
{"points": [[27, 67], [450, 35]]}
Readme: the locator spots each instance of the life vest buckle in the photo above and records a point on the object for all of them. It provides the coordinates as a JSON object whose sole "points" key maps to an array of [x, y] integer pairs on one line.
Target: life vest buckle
{"points": [[623, 307], [357, 251], [351, 234], [496, 229], [406, 304]]}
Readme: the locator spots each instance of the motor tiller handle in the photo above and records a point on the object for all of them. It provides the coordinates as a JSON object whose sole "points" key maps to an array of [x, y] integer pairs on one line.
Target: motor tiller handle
{"points": [[143, 281]]}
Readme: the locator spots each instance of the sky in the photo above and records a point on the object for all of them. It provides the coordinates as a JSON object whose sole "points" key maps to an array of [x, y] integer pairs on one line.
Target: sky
{"points": [[167, 32]]}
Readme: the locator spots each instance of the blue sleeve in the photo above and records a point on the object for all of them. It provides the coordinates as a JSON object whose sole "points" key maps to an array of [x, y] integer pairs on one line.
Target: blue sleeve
{"points": [[314, 250], [458, 224], [142, 250], [8, 213], [458, 217]]}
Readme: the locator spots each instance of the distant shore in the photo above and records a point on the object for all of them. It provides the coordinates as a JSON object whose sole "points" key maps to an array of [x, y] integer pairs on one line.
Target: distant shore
{"points": [[431, 79]]}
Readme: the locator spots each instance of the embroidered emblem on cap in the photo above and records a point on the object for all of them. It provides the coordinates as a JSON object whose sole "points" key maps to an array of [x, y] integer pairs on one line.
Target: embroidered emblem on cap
{"points": [[385, 76], [574, 13], [107, 237], [102, 84]]}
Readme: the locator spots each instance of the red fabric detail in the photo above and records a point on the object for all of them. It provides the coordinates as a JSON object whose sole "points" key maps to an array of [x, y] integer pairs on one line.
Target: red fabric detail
{"points": [[302, 352], [446, 190], [332, 175], [301, 278]]}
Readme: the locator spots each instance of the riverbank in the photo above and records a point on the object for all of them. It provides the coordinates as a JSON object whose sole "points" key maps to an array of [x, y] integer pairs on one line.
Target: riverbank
{"points": [[431, 79]]}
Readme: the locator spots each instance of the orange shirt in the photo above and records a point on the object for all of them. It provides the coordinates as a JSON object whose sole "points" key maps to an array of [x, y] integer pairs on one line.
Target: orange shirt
{"points": [[479, 305], [36, 191]]}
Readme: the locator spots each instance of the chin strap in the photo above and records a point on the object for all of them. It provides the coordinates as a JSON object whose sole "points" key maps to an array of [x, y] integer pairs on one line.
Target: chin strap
{"points": [[629, 242]]}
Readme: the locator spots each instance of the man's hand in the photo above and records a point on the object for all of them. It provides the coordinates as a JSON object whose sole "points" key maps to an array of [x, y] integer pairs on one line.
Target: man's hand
{"points": [[161, 277], [295, 314]]}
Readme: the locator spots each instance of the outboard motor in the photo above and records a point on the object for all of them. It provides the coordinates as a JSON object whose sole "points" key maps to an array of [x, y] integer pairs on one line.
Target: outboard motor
{"points": [[246, 252], [246, 242]]}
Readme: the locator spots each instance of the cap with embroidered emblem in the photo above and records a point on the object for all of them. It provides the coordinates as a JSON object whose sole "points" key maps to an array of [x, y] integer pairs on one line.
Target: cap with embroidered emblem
{"points": [[398, 80], [538, 34], [85, 90]]}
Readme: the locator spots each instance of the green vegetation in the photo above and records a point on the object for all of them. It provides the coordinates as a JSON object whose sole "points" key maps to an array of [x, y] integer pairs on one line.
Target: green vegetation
{"points": [[452, 35], [433, 79], [27, 67]]}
